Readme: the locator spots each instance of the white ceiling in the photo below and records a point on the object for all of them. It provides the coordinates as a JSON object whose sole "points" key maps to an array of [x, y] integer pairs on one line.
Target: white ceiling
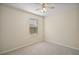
{"points": [[31, 7]]}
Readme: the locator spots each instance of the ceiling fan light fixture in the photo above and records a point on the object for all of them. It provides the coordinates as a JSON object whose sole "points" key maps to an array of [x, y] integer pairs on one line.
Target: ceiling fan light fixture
{"points": [[44, 10]]}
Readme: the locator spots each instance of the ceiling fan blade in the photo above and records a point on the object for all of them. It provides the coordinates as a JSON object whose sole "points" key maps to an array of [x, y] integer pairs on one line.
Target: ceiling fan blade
{"points": [[38, 9], [51, 7]]}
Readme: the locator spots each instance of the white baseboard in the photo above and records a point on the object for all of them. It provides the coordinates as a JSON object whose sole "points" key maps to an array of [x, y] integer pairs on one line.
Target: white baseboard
{"points": [[6, 51], [63, 45]]}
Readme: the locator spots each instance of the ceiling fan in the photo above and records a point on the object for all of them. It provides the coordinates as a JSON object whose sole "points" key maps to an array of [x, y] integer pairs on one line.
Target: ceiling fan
{"points": [[44, 7]]}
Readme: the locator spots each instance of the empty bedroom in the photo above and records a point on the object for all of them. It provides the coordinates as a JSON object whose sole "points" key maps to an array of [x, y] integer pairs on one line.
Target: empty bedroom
{"points": [[39, 28]]}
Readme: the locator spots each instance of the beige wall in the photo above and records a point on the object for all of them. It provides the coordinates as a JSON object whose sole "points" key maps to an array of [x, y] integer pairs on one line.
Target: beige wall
{"points": [[14, 29], [78, 22], [63, 28]]}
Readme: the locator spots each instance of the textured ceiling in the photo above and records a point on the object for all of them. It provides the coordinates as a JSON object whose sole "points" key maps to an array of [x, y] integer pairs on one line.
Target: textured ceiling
{"points": [[31, 7]]}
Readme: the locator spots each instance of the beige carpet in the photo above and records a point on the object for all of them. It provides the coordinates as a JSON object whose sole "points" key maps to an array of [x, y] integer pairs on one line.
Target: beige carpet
{"points": [[44, 48]]}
